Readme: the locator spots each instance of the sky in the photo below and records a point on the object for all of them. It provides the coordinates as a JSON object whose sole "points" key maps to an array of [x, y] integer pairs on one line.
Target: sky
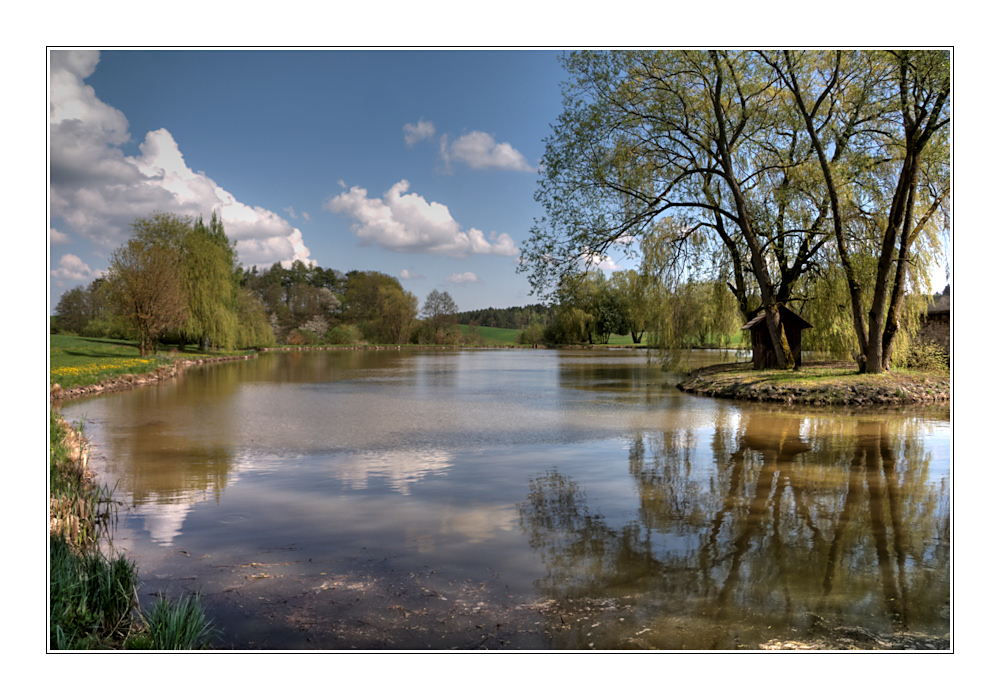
{"points": [[421, 164]]}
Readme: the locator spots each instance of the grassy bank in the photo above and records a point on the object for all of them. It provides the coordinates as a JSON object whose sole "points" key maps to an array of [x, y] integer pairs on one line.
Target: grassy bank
{"points": [[823, 383], [92, 594], [76, 361]]}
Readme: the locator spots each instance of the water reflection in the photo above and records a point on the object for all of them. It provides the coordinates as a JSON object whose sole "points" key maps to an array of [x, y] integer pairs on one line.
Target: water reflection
{"points": [[777, 517], [569, 481], [400, 470]]}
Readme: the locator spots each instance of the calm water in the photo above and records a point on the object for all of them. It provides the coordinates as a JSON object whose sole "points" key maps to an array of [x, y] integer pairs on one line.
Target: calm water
{"points": [[520, 499]]}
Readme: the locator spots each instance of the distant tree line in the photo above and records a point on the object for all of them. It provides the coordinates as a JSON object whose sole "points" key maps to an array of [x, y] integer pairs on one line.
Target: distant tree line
{"points": [[514, 317], [179, 281]]}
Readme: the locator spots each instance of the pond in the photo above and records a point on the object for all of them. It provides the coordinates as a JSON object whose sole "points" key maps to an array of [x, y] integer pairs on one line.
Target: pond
{"points": [[520, 499]]}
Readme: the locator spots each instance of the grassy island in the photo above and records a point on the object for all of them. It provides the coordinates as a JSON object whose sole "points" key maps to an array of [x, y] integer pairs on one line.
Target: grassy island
{"points": [[819, 383]]}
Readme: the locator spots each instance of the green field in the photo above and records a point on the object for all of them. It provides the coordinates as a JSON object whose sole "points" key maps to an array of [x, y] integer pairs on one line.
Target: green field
{"points": [[493, 336], [75, 361]]}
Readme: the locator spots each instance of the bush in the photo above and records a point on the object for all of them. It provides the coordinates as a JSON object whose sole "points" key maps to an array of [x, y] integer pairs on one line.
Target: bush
{"points": [[926, 356], [532, 335], [346, 334]]}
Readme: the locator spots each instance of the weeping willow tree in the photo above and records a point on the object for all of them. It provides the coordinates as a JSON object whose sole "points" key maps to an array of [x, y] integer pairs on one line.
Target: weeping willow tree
{"points": [[252, 328], [890, 111], [800, 172], [204, 262], [694, 300], [208, 264]]}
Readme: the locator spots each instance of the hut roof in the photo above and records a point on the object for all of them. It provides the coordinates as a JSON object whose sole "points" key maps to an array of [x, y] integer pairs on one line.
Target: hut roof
{"points": [[788, 317], [941, 306]]}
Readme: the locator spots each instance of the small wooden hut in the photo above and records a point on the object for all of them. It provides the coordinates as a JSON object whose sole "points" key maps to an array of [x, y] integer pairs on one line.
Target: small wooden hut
{"points": [[763, 349]]}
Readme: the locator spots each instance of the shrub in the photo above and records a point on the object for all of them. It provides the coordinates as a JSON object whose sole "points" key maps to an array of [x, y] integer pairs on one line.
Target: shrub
{"points": [[346, 334], [532, 335], [926, 356]]}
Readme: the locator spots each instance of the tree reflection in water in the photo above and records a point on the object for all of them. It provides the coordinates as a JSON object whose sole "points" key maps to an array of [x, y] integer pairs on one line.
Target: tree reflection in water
{"points": [[780, 520]]}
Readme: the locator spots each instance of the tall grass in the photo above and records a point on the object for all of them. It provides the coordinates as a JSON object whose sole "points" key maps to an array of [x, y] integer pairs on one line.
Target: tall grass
{"points": [[91, 597], [178, 625]]}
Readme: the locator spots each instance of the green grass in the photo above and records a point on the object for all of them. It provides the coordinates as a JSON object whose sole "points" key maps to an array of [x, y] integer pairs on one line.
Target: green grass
{"points": [[493, 336], [76, 361], [91, 597], [176, 626]]}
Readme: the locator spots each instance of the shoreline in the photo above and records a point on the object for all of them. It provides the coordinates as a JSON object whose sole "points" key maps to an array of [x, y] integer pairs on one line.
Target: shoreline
{"points": [[818, 384], [130, 381]]}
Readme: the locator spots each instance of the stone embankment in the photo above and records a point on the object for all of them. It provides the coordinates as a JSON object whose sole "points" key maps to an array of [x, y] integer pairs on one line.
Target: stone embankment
{"points": [[828, 384], [130, 381]]}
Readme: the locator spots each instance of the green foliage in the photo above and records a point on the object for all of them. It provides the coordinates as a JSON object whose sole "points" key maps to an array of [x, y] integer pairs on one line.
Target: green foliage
{"points": [[570, 326], [208, 261], [346, 334], [73, 312], [91, 597], [179, 277], [532, 335], [928, 356], [516, 317], [769, 174], [181, 625]]}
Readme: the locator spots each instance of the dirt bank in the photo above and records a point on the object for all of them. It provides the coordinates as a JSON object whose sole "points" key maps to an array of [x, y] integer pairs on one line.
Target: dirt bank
{"points": [[819, 383]]}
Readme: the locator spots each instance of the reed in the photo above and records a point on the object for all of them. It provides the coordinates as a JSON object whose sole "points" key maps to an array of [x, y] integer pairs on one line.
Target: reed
{"points": [[91, 597], [179, 625]]}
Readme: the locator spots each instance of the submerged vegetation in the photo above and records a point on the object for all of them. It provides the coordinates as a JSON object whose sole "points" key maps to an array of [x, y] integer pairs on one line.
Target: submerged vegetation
{"points": [[92, 592]]}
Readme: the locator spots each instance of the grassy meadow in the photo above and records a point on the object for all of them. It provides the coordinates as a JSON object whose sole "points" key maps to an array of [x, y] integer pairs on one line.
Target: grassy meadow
{"points": [[76, 361]]}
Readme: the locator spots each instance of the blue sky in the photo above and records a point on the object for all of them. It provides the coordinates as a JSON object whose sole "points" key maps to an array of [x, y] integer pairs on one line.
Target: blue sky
{"points": [[419, 164]]}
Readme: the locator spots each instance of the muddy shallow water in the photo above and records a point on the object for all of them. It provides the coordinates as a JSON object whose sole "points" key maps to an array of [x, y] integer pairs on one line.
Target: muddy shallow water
{"points": [[517, 499]]}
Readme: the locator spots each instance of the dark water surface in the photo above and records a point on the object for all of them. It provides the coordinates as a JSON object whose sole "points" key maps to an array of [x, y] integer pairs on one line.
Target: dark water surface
{"points": [[520, 499]]}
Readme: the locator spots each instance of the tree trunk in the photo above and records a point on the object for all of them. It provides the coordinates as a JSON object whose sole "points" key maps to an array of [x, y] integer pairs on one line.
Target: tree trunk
{"points": [[874, 357], [899, 282], [758, 265], [782, 350]]}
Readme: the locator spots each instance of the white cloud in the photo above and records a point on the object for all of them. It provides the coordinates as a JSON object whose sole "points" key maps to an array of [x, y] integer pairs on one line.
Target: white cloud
{"points": [[99, 191], [409, 223], [73, 269], [414, 133], [408, 275], [479, 151], [601, 262], [462, 278], [58, 237]]}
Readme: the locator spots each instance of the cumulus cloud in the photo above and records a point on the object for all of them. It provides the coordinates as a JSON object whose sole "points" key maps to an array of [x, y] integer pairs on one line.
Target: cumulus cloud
{"points": [[408, 223], [480, 151], [414, 133], [409, 275], [72, 269], [99, 191], [58, 237], [462, 278], [592, 260]]}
